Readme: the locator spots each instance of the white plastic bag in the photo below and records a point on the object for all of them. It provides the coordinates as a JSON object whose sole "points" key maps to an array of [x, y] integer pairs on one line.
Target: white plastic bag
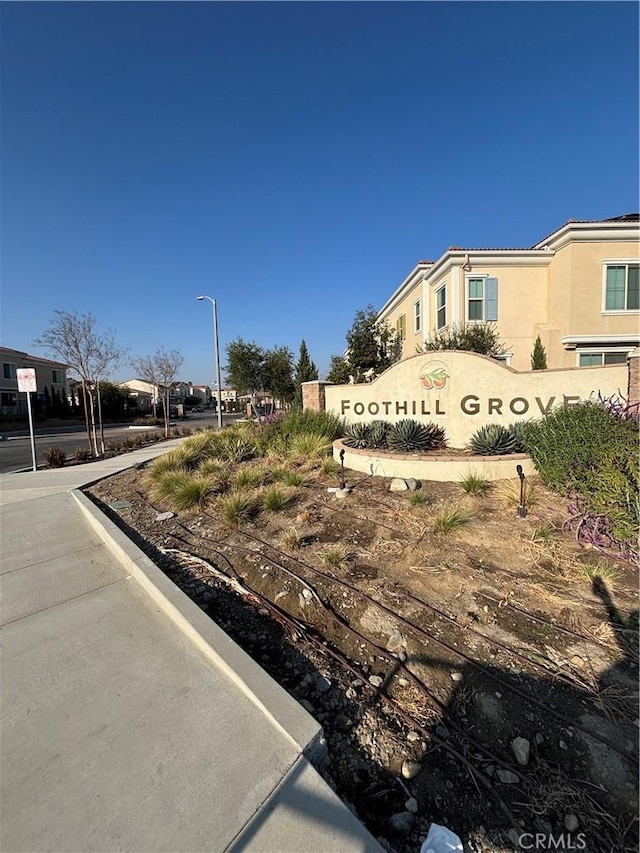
{"points": [[441, 840]]}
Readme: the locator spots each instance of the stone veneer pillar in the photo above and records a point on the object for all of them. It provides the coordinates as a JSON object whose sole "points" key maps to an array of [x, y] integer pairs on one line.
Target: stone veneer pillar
{"points": [[313, 397], [633, 391]]}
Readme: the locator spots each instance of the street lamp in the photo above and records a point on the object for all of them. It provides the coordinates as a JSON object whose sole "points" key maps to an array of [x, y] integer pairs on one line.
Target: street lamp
{"points": [[216, 353]]}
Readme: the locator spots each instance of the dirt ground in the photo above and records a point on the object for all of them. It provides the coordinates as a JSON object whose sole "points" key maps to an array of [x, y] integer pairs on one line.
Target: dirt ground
{"points": [[425, 656]]}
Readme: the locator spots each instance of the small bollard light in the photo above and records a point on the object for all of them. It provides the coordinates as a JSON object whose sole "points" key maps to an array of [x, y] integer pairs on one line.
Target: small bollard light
{"points": [[342, 485], [522, 510]]}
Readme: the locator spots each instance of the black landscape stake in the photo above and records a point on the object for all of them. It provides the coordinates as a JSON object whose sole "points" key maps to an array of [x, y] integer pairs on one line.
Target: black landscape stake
{"points": [[342, 485], [522, 510]]}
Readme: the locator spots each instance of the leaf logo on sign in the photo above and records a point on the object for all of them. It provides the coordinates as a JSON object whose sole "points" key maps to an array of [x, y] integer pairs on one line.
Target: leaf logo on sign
{"points": [[434, 375]]}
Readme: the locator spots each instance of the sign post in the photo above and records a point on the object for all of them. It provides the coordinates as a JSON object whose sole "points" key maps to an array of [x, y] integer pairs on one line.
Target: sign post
{"points": [[27, 382]]}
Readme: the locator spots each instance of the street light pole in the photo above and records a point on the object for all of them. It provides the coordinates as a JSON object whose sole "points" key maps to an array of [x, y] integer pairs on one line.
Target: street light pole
{"points": [[216, 353]]}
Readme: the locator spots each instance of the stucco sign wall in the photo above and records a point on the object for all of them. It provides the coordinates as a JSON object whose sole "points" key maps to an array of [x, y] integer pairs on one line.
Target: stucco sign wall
{"points": [[462, 391]]}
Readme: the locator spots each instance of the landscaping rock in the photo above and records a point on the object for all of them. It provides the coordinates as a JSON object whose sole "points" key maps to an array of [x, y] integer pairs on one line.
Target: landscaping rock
{"points": [[571, 822], [402, 822], [413, 484], [323, 685], [411, 805], [507, 777], [376, 680], [456, 676], [410, 769], [521, 749], [165, 516], [396, 642], [398, 485]]}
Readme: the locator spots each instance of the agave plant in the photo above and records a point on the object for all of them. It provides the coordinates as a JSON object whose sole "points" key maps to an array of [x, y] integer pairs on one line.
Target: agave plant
{"points": [[378, 434], [519, 430], [493, 440], [357, 435], [413, 437]]}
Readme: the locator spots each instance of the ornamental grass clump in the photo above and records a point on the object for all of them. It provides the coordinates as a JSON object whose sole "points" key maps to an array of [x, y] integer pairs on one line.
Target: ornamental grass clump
{"points": [[238, 506], [181, 490], [450, 518], [474, 484], [275, 499], [310, 445]]}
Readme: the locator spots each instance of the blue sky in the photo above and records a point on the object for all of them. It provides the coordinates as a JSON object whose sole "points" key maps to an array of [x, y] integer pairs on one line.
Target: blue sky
{"points": [[292, 160]]}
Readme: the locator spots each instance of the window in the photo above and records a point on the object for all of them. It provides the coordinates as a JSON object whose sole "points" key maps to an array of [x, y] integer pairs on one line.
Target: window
{"points": [[597, 359], [8, 370], [8, 399], [622, 290], [56, 377], [441, 307], [401, 327], [417, 316], [482, 299]]}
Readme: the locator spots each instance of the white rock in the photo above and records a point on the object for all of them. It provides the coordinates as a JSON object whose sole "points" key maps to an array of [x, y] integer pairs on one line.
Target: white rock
{"points": [[410, 769], [398, 485], [571, 822], [456, 676], [521, 749], [376, 680]]}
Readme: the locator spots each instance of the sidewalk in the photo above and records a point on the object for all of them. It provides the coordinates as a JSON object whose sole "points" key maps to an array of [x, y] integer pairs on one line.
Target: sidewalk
{"points": [[131, 722]]}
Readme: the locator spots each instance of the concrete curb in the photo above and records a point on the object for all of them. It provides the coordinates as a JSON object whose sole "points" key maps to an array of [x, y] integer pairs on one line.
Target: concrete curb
{"points": [[265, 693]]}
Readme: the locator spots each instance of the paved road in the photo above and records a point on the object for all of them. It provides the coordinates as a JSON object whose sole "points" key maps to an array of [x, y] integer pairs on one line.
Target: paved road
{"points": [[15, 451]]}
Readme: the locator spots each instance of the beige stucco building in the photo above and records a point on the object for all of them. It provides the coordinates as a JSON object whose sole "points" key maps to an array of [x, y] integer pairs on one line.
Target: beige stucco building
{"points": [[50, 375], [577, 288]]}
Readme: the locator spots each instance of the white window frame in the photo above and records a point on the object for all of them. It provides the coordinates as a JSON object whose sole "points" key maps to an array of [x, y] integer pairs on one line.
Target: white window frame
{"points": [[601, 351], [503, 358], [442, 289], [12, 377], [617, 262], [467, 297], [417, 316]]}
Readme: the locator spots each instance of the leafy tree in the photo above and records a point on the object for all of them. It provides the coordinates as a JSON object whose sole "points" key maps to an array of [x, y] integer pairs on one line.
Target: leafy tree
{"points": [[278, 374], [244, 369], [89, 357], [305, 371], [160, 370], [482, 338], [538, 356], [372, 346], [339, 370]]}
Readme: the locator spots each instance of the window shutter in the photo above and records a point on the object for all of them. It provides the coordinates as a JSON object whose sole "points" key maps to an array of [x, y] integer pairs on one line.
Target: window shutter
{"points": [[491, 299]]}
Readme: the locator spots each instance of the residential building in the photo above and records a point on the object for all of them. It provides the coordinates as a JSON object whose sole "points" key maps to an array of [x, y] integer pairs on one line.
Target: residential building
{"points": [[577, 288], [51, 378], [148, 395]]}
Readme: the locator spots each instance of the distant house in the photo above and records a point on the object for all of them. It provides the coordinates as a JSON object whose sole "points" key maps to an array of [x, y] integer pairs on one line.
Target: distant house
{"points": [[578, 289], [147, 395], [51, 378]]}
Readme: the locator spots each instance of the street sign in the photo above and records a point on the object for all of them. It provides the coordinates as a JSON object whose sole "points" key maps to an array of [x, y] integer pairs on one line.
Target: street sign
{"points": [[26, 379]]}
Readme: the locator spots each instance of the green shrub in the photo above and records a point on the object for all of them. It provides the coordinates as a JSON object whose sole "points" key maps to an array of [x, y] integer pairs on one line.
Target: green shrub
{"points": [[411, 436], [418, 498], [493, 440], [324, 423], [584, 449], [235, 447], [55, 457]]}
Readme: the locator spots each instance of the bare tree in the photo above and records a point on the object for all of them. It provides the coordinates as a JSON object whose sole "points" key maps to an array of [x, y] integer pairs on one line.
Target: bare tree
{"points": [[160, 370], [89, 356]]}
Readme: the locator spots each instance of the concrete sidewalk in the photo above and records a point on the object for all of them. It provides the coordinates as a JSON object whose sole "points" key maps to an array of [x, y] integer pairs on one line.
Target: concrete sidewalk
{"points": [[131, 722]]}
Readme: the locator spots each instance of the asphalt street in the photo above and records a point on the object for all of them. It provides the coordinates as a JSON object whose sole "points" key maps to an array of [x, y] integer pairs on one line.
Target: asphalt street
{"points": [[15, 450]]}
